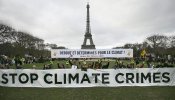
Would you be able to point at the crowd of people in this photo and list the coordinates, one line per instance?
(113, 63)
(84, 64)
(7, 62)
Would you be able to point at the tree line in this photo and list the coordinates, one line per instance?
(13, 42)
(159, 45)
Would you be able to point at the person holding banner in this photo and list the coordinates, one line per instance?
(66, 64)
(116, 65)
(84, 67)
(121, 65)
(97, 65)
(50, 65)
(106, 65)
(60, 67)
(91, 65)
(73, 65)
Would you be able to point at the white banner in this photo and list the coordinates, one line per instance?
(89, 78)
(91, 53)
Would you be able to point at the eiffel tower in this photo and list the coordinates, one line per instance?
(88, 35)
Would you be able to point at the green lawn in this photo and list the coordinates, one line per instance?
(94, 93)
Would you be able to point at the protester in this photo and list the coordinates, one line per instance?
(67, 65)
(63, 67)
(132, 63)
(73, 64)
(91, 65)
(106, 65)
(116, 64)
(149, 62)
(44, 66)
(137, 61)
(97, 65)
(58, 66)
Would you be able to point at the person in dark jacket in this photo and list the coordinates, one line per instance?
(91, 65)
(106, 66)
(97, 65)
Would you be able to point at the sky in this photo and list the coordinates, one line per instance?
(113, 22)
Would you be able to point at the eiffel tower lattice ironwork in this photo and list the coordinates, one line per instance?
(88, 33)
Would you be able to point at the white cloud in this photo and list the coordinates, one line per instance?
(113, 22)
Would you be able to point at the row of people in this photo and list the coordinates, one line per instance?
(77, 64)
(83, 65)
(118, 64)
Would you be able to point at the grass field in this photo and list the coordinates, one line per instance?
(95, 93)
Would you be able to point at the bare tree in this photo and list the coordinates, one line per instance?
(172, 41)
(156, 41)
(5, 33)
(10, 35)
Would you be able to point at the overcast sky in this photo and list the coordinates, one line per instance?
(113, 22)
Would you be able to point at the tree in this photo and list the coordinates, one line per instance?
(60, 47)
(156, 41)
(5, 33)
(14, 42)
(128, 45)
(172, 41)
(137, 47)
(160, 45)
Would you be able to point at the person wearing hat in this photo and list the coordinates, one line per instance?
(84, 67)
